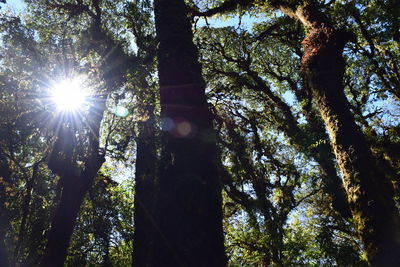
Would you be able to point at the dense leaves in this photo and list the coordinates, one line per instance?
(290, 187)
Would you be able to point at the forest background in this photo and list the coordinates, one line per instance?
(304, 100)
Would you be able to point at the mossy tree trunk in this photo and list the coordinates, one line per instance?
(370, 197)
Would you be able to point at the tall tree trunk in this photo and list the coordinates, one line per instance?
(115, 65)
(188, 213)
(74, 190)
(370, 197)
(145, 192)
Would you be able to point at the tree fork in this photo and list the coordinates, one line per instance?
(75, 184)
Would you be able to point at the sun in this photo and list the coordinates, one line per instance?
(68, 95)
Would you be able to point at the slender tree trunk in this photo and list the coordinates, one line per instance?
(370, 197)
(64, 221)
(188, 213)
(323, 154)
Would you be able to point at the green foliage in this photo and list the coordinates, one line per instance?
(104, 231)
(271, 140)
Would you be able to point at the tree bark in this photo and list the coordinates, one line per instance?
(370, 197)
(188, 212)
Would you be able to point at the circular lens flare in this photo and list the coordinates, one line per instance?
(68, 95)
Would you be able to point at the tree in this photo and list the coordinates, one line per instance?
(369, 194)
(188, 216)
(79, 143)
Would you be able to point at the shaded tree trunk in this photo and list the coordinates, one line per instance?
(145, 192)
(323, 154)
(63, 223)
(370, 197)
(25, 210)
(74, 190)
(5, 181)
(188, 212)
(75, 184)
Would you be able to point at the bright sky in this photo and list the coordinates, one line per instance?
(246, 22)
(14, 5)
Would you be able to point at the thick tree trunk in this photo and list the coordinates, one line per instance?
(188, 213)
(63, 223)
(370, 197)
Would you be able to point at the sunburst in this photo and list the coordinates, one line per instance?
(69, 95)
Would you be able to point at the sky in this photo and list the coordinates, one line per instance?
(246, 22)
(14, 5)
